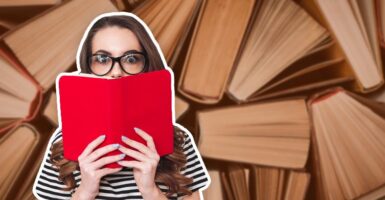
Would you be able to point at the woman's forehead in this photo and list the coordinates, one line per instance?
(115, 40)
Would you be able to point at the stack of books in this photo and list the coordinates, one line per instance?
(285, 98)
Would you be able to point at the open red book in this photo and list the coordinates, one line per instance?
(93, 106)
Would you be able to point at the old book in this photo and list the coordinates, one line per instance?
(378, 95)
(18, 148)
(213, 49)
(23, 187)
(284, 49)
(278, 183)
(228, 194)
(16, 12)
(20, 94)
(120, 4)
(236, 181)
(380, 19)
(297, 185)
(365, 13)
(352, 24)
(6, 25)
(130, 5)
(348, 145)
(64, 38)
(268, 182)
(272, 133)
(181, 106)
(170, 21)
(215, 190)
(5, 3)
(50, 110)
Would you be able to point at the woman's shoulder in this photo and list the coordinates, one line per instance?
(56, 136)
(187, 137)
(195, 167)
(47, 183)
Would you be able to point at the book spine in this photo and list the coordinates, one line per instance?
(115, 102)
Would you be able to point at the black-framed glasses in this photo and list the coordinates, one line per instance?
(133, 62)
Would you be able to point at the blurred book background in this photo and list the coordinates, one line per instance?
(285, 98)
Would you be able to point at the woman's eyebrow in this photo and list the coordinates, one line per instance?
(108, 53)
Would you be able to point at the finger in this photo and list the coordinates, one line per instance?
(147, 137)
(131, 163)
(101, 151)
(134, 154)
(91, 146)
(137, 145)
(104, 171)
(106, 160)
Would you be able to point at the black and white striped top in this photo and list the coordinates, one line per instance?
(120, 185)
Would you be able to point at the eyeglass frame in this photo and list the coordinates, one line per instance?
(117, 59)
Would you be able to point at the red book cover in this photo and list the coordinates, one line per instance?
(93, 106)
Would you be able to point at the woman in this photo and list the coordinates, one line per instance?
(116, 45)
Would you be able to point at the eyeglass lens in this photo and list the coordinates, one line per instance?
(132, 63)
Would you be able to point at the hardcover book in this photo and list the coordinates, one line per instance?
(93, 106)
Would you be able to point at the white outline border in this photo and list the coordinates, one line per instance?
(83, 74)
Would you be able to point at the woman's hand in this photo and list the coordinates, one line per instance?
(145, 164)
(91, 170)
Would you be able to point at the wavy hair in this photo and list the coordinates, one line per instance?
(169, 166)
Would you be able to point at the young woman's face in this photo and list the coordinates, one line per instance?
(115, 41)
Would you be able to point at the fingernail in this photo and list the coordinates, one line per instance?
(116, 146)
(122, 155)
(102, 137)
(124, 138)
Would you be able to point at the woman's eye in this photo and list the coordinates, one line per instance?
(130, 59)
(102, 59)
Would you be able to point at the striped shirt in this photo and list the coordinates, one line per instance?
(120, 185)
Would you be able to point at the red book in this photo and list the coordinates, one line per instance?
(93, 106)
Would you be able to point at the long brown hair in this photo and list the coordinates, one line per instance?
(169, 166)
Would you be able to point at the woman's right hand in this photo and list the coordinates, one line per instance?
(91, 170)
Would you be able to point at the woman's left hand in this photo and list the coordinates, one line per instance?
(144, 167)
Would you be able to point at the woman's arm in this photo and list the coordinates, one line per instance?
(154, 194)
(195, 168)
(91, 168)
(81, 195)
(144, 167)
(47, 184)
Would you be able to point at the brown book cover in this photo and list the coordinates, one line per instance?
(35, 104)
(206, 67)
(64, 38)
(278, 183)
(19, 147)
(170, 22)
